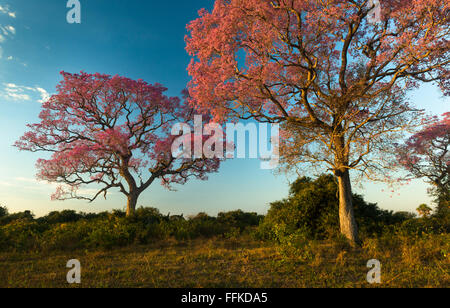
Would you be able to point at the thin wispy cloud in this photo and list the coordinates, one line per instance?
(45, 96)
(42, 186)
(8, 30)
(31, 184)
(4, 9)
(17, 93)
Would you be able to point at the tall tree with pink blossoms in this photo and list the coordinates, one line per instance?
(427, 155)
(111, 133)
(331, 74)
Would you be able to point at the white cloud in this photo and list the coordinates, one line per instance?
(32, 184)
(7, 30)
(13, 92)
(27, 180)
(44, 186)
(4, 33)
(17, 96)
(44, 95)
(6, 10)
(6, 184)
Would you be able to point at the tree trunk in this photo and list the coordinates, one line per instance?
(132, 202)
(346, 212)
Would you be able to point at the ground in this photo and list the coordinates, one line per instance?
(221, 263)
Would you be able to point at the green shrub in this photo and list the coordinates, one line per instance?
(3, 211)
(111, 232)
(423, 226)
(312, 209)
(69, 230)
(7, 219)
(61, 217)
(21, 234)
(67, 236)
(239, 219)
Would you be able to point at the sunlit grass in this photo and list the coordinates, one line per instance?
(238, 263)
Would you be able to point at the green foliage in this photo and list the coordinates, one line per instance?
(310, 213)
(312, 209)
(62, 217)
(27, 215)
(21, 234)
(239, 219)
(69, 230)
(423, 226)
(424, 210)
(67, 236)
(3, 211)
(111, 232)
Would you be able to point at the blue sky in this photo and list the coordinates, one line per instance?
(137, 39)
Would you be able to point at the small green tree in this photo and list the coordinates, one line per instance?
(3, 211)
(424, 211)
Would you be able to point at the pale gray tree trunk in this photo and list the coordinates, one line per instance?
(134, 191)
(348, 224)
(131, 203)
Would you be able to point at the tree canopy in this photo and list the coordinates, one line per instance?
(114, 133)
(427, 155)
(336, 79)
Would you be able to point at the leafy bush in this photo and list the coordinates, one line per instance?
(21, 234)
(27, 215)
(3, 211)
(111, 232)
(67, 236)
(312, 209)
(61, 217)
(239, 219)
(423, 226)
(70, 230)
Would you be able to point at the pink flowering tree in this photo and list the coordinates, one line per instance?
(333, 75)
(111, 133)
(427, 155)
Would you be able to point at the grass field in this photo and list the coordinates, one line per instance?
(242, 263)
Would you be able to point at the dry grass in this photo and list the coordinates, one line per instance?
(237, 263)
